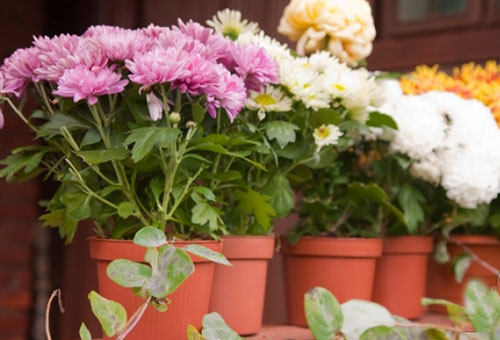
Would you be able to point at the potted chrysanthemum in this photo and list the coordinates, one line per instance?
(125, 120)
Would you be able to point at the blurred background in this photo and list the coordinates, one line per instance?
(34, 261)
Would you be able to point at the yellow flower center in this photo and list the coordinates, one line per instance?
(322, 132)
(339, 87)
(265, 99)
(231, 32)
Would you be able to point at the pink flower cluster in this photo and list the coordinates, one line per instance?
(188, 57)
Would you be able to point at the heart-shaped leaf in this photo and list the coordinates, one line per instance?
(111, 315)
(323, 313)
(128, 273)
(360, 315)
(150, 237)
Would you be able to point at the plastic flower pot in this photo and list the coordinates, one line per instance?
(344, 266)
(441, 282)
(189, 303)
(401, 273)
(238, 292)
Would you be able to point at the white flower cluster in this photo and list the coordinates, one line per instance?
(452, 141)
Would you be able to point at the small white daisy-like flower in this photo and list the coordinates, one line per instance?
(271, 100)
(326, 135)
(228, 22)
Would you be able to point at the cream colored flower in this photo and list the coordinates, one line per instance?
(228, 22)
(271, 100)
(343, 27)
(326, 135)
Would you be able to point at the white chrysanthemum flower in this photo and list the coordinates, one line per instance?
(271, 100)
(452, 142)
(278, 51)
(326, 135)
(228, 22)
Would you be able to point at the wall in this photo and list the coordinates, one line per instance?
(19, 20)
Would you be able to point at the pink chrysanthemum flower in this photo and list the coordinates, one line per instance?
(232, 94)
(2, 119)
(119, 43)
(81, 83)
(65, 52)
(254, 65)
(153, 31)
(19, 69)
(158, 66)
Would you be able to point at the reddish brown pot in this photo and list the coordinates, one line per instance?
(401, 274)
(238, 292)
(190, 301)
(440, 280)
(344, 266)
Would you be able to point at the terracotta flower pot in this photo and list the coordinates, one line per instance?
(238, 292)
(344, 266)
(441, 282)
(400, 276)
(190, 301)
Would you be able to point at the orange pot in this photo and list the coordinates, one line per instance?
(401, 273)
(441, 282)
(238, 292)
(344, 266)
(190, 301)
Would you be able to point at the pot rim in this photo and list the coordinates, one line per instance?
(248, 247)
(408, 244)
(476, 239)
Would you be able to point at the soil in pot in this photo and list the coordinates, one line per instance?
(400, 277)
(441, 282)
(238, 292)
(344, 266)
(189, 303)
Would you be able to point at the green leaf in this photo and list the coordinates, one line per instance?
(220, 149)
(91, 137)
(215, 328)
(282, 131)
(150, 237)
(281, 194)
(325, 116)
(125, 209)
(460, 264)
(101, 156)
(84, 332)
(17, 161)
(377, 333)
(203, 213)
(441, 254)
(361, 315)
(482, 306)
(378, 119)
(436, 334)
(410, 199)
(253, 203)
(206, 192)
(173, 267)
(193, 334)
(160, 305)
(111, 315)
(128, 273)
(323, 313)
(198, 112)
(59, 120)
(207, 253)
(456, 313)
(146, 138)
(77, 205)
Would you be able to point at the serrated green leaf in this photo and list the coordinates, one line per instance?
(77, 205)
(84, 332)
(410, 200)
(206, 192)
(128, 273)
(173, 267)
(125, 209)
(146, 138)
(460, 264)
(203, 213)
(150, 237)
(207, 253)
(59, 120)
(323, 313)
(482, 306)
(283, 132)
(95, 157)
(111, 315)
(282, 197)
(215, 328)
(91, 137)
(253, 203)
(378, 119)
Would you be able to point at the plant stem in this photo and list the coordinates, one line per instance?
(132, 322)
(20, 114)
(55, 293)
(476, 258)
(43, 94)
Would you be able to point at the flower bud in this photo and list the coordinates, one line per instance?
(190, 124)
(174, 117)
